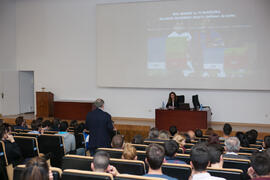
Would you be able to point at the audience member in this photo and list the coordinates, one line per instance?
(227, 129)
(181, 140)
(101, 163)
(69, 139)
(37, 169)
(40, 119)
(209, 131)
(20, 123)
(191, 135)
(154, 159)
(216, 155)
(46, 125)
(137, 139)
(73, 124)
(118, 141)
(242, 138)
(213, 139)
(198, 133)
(153, 134)
(187, 138)
(163, 135)
(199, 160)
(260, 166)
(171, 148)
(81, 129)
(55, 124)
(129, 152)
(173, 130)
(232, 147)
(252, 136)
(36, 127)
(13, 152)
(266, 142)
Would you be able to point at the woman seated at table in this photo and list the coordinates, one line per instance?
(172, 101)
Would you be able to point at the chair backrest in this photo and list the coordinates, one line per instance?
(72, 174)
(77, 162)
(242, 164)
(232, 174)
(80, 140)
(188, 145)
(134, 177)
(18, 170)
(53, 145)
(28, 135)
(28, 146)
(3, 161)
(114, 153)
(124, 166)
(181, 99)
(179, 171)
(183, 157)
(248, 150)
(147, 142)
(140, 147)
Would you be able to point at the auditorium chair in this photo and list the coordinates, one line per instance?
(248, 150)
(147, 142)
(134, 177)
(73, 174)
(242, 164)
(18, 170)
(231, 174)
(180, 150)
(4, 170)
(189, 145)
(28, 135)
(140, 147)
(117, 153)
(135, 167)
(255, 146)
(50, 132)
(54, 146)
(183, 157)
(179, 171)
(80, 140)
(28, 146)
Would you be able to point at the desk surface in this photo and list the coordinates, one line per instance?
(184, 120)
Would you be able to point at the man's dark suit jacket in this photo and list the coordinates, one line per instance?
(100, 128)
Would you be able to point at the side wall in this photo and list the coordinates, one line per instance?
(57, 40)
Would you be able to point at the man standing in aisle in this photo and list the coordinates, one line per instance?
(100, 127)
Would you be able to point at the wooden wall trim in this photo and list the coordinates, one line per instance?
(133, 119)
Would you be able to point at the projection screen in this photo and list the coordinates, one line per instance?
(187, 44)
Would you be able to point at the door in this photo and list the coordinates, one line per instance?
(26, 81)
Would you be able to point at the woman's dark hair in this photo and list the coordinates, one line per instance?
(242, 138)
(198, 133)
(137, 139)
(36, 169)
(170, 99)
(19, 120)
(73, 123)
(79, 128)
(55, 124)
(213, 139)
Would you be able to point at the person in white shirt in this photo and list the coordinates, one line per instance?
(199, 160)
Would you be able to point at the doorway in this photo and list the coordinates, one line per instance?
(26, 92)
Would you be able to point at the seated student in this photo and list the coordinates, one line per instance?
(129, 152)
(36, 127)
(80, 128)
(154, 159)
(173, 130)
(209, 131)
(117, 141)
(101, 163)
(73, 124)
(163, 135)
(216, 155)
(171, 148)
(242, 138)
(199, 160)
(55, 125)
(153, 135)
(260, 166)
(37, 168)
(266, 142)
(232, 147)
(137, 139)
(252, 136)
(181, 140)
(20, 123)
(213, 139)
(191, 135)
(227, 129)
(13, 152)
(46, 125)
(198, 133)
(69, 139)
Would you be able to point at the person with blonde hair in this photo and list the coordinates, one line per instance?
(129, 152)
(181, 140)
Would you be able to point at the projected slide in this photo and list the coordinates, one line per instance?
(210, 44)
